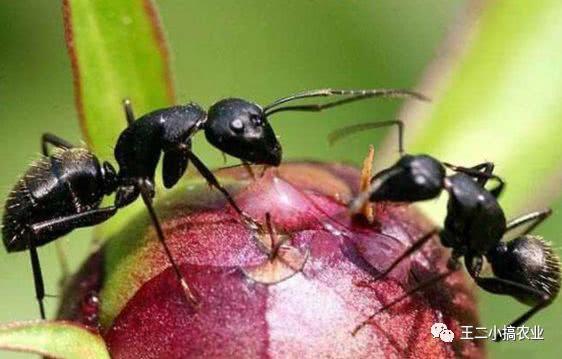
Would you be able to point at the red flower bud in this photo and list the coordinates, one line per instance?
(296, 290)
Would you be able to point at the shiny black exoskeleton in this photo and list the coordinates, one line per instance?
(475, 226)
(63, 191)
(234, 126)
(58, 193)
(170, 130)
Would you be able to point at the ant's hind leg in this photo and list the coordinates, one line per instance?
(67, 223)
(37, 276)
(535, 218)
(54, 140)
(514, 289)
(502, 286)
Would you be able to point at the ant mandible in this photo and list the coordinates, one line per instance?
(525, 268)
(63, 191)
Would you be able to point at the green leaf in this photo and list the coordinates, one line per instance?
(499, 101)
(53, 339)
(117, 50)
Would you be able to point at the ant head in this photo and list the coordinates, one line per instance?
(412, 178)
(530, 261)
(240, 129)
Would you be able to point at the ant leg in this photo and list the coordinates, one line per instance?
(129, 114)
(535, 218)
(213, 182)
(452, 267)
(84, 219)
(348, 130)
(358, 202)
(506, 287)
(37, 276)
(514, 289)
(414, 247)
(486, 168)
(249, 170)
(528, 314)
(354, 95)
(481, 176)
(54, 140)
(50, 139)
(42, 229)
(147, 194)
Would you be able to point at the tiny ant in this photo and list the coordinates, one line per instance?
(525, 268)
(63, 191)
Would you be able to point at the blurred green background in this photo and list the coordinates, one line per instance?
(251, 49)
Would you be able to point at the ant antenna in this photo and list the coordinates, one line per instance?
(355, 95)
(346, 131)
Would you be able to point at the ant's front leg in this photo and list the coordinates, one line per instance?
(213, 182)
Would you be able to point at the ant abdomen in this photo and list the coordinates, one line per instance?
(43, 192)
(528, 260)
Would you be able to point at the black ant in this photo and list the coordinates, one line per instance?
(525, 268)
(64, 190)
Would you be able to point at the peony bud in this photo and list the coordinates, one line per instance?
(295, 288)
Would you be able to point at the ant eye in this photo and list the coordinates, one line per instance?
(237, 125)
